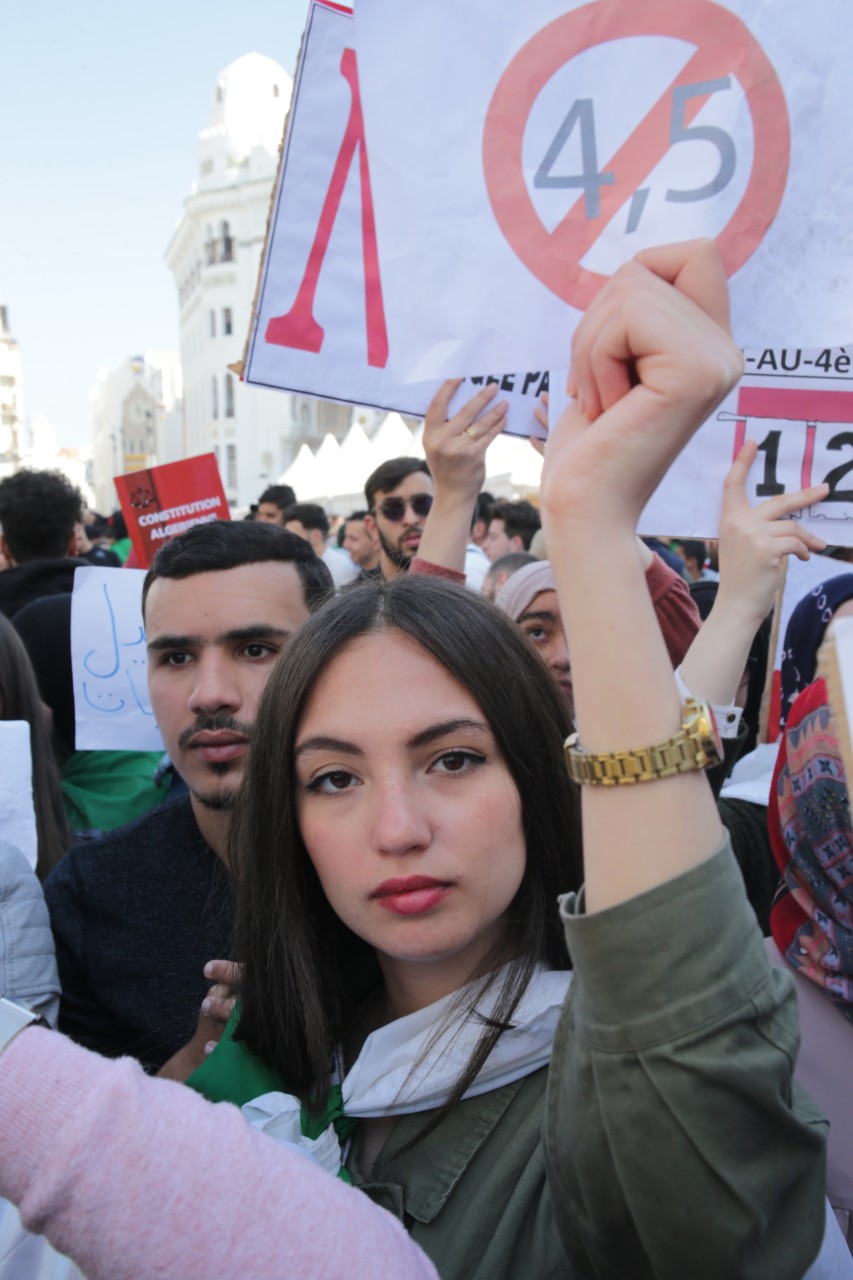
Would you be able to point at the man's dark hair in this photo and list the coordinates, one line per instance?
(356, 515)
(38, 512)
(309, 514)
(118, 527)
(510, 563)
(482, 508)
(389, 474)
(694, 549)
(281, 495)
(521, 520)
(226, 544)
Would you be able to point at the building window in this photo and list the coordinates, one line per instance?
(227, 244)
(214, 402)
(209, 246)
(213, 324)
(231, 466)
(229, 396)
(227, 324)
(275, 91)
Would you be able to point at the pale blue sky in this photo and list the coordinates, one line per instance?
(100, 107)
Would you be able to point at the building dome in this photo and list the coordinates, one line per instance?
(250, 102)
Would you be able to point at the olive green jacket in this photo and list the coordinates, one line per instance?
(674, 1142)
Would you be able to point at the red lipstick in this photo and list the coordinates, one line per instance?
(412, 895)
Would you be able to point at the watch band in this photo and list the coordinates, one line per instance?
(15, 1018)
(693, 747)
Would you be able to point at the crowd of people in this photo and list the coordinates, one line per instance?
(434, 945)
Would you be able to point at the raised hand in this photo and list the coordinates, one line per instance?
(651, 359)
(455, 449)
(755, 541)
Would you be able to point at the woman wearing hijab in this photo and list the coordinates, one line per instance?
(804, 636)
(811, 920)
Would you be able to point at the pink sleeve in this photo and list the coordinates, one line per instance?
(678, 617)
(436, 571)
(136, 1179)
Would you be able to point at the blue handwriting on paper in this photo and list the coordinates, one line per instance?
(113, 667)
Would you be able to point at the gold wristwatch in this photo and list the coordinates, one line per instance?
(696, 746)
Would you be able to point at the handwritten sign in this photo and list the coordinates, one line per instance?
(319, 327)
(520, 153)
(161, 502)
(108, 659)
(17, 814)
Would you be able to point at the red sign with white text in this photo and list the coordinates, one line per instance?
(162, 502)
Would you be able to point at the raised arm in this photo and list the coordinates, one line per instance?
(455, 449)
(651, 360)
(754, 543)
(677, 1143)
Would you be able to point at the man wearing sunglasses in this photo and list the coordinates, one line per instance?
(399, 496)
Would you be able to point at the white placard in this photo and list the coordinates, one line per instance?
(320, 328)
(798, 406)
(520, 152)
(17, 813)
(108, 658)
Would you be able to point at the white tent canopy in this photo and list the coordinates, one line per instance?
(335, 475)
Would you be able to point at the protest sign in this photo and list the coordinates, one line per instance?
(798, 406)
(108, 662)
(17, 814)
(319, 327)
(519, 153)
(160, 502)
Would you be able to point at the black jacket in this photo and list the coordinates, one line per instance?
(31, 581)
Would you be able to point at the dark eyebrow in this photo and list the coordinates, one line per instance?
(255, 631)
(541, 615)
(444, 729)
(173, 642)
(431, 734)
(322, 743)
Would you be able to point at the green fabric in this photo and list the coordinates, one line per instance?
(232, 1073)
(102, 790)
(122, 548)
(674, 1142)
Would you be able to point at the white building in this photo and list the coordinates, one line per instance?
(136, 420)
(215, 255)
(13, 441)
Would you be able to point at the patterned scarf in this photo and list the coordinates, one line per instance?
(812, 839)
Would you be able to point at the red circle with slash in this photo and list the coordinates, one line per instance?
(724, 45)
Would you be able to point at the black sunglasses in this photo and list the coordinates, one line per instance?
(394, 509)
